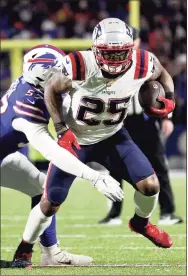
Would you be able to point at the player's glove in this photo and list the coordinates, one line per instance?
(66, 138)
(169, 105)
(109, 187)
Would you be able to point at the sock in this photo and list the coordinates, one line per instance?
(139, 222)
(24, 247)
(145, 205)
(49, 237)
(36, 224)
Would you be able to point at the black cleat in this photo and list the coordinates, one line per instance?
(15, 264)
(22, 259)
(113, 216)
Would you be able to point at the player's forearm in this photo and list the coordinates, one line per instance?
(161, 74)
(166, 80)
(54, 104)
(52, 95)
(39, 137)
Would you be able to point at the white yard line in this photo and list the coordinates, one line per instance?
(116, 265)
(104, 236)
(106, 248)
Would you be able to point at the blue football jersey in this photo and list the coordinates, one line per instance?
(21, 101)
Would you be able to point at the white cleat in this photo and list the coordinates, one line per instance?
(114, 221)
(54, 256)
(169, 219)
(111, 221)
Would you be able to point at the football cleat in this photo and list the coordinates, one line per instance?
(111, 221)
(15, 264)
(54, 256)
(154, 234)
(169, 219)
(22, 258)
(114, 213)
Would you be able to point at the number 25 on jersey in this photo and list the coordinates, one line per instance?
(97, 106)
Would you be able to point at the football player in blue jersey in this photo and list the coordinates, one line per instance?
(24, 119)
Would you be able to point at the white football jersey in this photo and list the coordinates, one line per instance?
(99, 105)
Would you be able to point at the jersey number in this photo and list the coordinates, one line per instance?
(97, 106)
(3, 104)
(4, 99)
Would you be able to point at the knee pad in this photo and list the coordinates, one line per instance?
(57, 195)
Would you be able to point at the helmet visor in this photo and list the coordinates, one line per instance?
(115, 56)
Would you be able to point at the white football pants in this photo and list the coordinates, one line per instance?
(18, 173)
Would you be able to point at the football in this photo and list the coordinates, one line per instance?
(148, 94)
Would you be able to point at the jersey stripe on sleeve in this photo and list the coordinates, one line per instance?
(29, 112)
(29, 107)
(82, 65)
(74, 74)
(137, 71)
(146, 56)
(21, 112)
(141, 64)
(78, 66)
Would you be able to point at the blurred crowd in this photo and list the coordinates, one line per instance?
(162, 29)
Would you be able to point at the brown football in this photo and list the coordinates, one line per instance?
(148, 94)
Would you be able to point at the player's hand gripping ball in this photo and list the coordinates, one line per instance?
(154, 101)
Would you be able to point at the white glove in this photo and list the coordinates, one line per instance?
(109, 187)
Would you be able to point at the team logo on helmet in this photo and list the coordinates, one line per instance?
(47, 60)
(98, 31)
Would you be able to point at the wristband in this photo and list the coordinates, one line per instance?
(170, 96)
(60, 127)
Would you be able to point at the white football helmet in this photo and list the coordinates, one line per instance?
(112, 45)
(41, 62)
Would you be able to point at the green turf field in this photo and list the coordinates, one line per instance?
(108, 245)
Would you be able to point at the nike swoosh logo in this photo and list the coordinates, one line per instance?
(32, 102)
(67, 263)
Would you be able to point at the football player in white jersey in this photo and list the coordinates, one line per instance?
(101, 83)
(24, 119)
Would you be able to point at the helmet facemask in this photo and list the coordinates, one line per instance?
(113, 60)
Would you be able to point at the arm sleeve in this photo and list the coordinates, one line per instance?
(40, 138)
